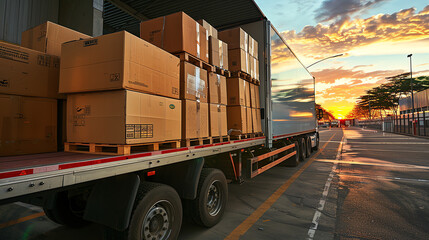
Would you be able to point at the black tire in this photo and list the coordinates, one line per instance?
(294, 160)
(317, 143)
(301, 148)
(308, 147)
(212, 188)
(61, 211)
(157, 212)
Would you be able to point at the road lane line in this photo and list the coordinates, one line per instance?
(382, 150)
(318, 213)
(20, 220)
(388, 165)
(259, 212)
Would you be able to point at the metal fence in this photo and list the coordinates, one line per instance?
(401, 124)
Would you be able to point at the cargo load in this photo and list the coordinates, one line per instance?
(237, 120)
(193, 82)
(209, 28)
(28, 125)
(218, 120)
(217, 89)
(28, 72)
(195, 115)
(236, 38)
(118, 61)
(177, 33)
(48, 38)
(122, 117)
(238, 92)
(218, 53)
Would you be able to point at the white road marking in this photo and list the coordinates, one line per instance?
(386, 178)
(389, 165)
(382, 150)
(318, 213)
(28, 206)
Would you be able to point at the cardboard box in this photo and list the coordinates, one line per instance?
(176, 33)
(236, 91)
(118, 61)
(217, 89)
(48, 38)
(254, 67)
(122, 117)
(252, 95)
(210, 29)
(193, 82)
(235, 38)
(218, 120)
(27, 72)
(237, 119)
(247, 94)
(195, 119)
(218, 53)
(238, 60)
(28, 125)
(256, 120)
(249, 120)
(253, 47)
(257, 99)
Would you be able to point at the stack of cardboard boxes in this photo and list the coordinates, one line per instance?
(31, 107)
(243, 96)
(121, 90)
(178, 33)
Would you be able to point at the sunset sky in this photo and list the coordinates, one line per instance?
(375, 37)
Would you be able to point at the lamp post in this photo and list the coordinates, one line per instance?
(334, 56)
(411, 83)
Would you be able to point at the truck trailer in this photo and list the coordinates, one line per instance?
(140, 196)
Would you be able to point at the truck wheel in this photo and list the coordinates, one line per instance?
(308, 147)
(157, 215)
(302, 149)
(209, 206)
(317, 143)
(61, 211)
(294, 160)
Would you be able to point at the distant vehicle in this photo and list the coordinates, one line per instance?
(335, 123)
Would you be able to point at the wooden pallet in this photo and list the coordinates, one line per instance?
(219, 139)
(222, 72)
(184, 56)
(119, 149)
(196, 141)
(245, 76)
(246, 136)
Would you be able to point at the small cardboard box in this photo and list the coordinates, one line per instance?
(27, 72)
(236, 91)
(256, 120)
(195, 119)
(48, 38)
(210, 29)
(28, 125)
(249, 120)
(217, 89)
(239, 60)
(176, 33)
(237, 119)
(193, 82)
(253, 47)
(218, 53)
(218, 120)
(118, 61)
(235, 38)
(122, 117)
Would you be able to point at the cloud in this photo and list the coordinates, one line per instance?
(346, 34)
(334, 9)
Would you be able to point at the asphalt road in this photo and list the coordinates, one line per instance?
(377, 188)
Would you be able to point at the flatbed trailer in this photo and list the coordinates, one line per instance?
(140, 196)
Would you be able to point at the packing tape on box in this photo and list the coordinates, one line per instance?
(207, 44)
(195, 85)
(254, 68)
(247, 62)
(219, 120)
(246, 40)
(220, 53)
(244, 97)
(218, 88)
(198, 116)
(162, 32)
(198, 39)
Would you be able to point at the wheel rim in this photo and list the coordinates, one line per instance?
(158, 221)
(214, 198)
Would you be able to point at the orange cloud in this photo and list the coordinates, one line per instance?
(347, 34)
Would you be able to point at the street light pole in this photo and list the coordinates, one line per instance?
(334, 56)
(411, 83)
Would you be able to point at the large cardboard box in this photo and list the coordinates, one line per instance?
(252, 95)
(239, 60)
(218, 120)
(176, 33)
(195, 119)
(247, 94)
(254, 67)
(236, 91)
(210, 29)
(193, 82)
(257, 99)
(118, 61)
(28, 125)
(256, 120)
(235, 38)
(253, 47)
(27, 72)
(217, 89)
(122, 117)
(218, 53)
(48, 38)
(237, 119)
(249, 120)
